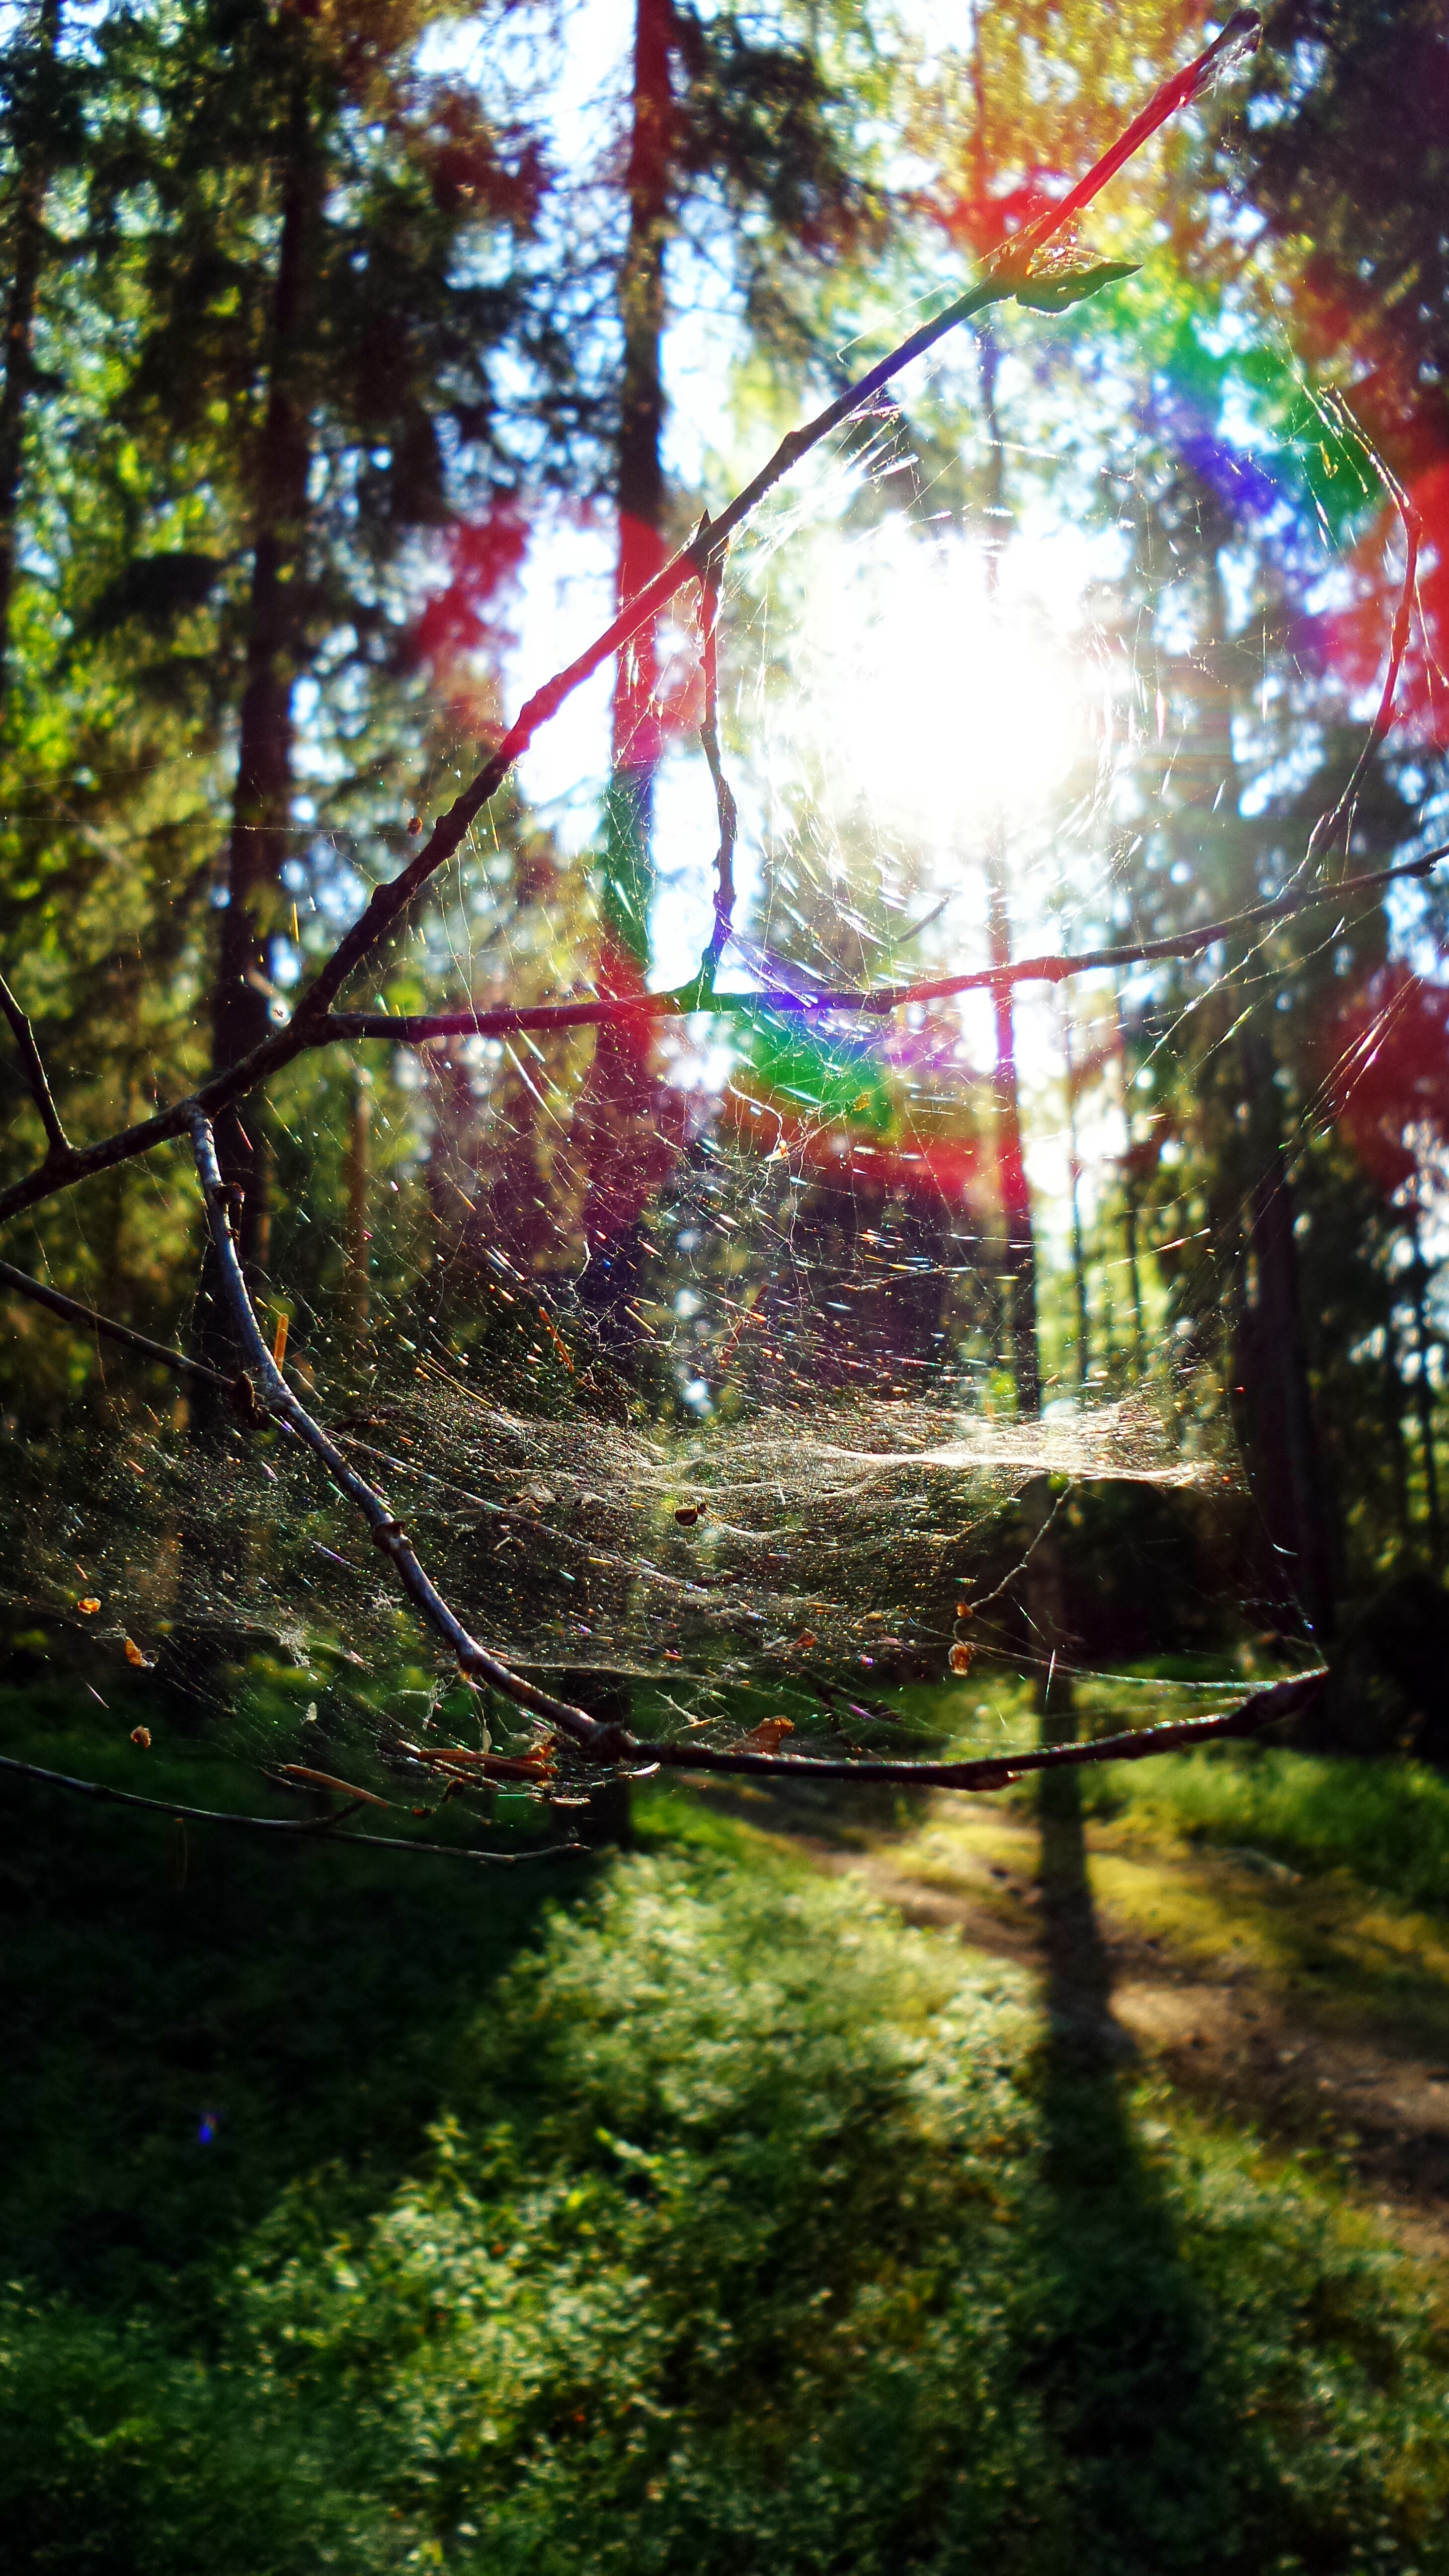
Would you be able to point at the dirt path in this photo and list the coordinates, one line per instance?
(1308, 2008)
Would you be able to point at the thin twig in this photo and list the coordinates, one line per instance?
(388, 1534)
(416, 1029)
(73, 1312)
(725, 808)
(1280, 1699)
(1007, 278)
(312, 1829)
(33, 1068)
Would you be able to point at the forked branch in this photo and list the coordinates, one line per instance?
(316, 1023)
(1008, 277)
(417, 1028)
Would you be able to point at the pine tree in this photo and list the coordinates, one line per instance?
(319, 329)
(38, 114)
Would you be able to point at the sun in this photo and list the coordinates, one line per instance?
(945, 701)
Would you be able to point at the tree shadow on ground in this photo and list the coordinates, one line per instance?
(1150, 2462)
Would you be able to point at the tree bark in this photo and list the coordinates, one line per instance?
(1019, 1248)
(1283, 1447)
(616, 1111)
(1019, 1253)
(262, 802)
(33, 187)
(1424, 1394)
(356, 1232)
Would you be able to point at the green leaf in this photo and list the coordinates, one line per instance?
(1057, 294)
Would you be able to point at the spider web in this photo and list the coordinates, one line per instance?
(696, 1385)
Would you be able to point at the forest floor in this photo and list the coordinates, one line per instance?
(1301, 2006)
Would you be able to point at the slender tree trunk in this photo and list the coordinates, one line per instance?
(355, 1183)
(1074, 1174)
(33, 187)
(1424, 1398)
(1255, 1210)
(1020, 1244)
(616, 1110)
(1130, 1216)
(1283, 1437)
(262, 803)
(1043, 1586)
(1394, 1436)
(1019, 1247)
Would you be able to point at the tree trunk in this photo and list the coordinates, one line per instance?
(262, 802)
(1074, 1176)
(261, 811)
(1019, 1249)
(356, 1231)
(616, 1110)
(1020, 1244)
(1282, 1437)
(36, 169)
(1253, 1216)
(1424, 1394)
(1019, 1257)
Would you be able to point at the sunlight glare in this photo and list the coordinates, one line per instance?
(939, 702)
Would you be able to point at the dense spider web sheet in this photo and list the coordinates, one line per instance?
(778, 1469)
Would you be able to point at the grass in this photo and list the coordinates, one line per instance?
(686, 2215)
(302, 2005)
(1387, 1822)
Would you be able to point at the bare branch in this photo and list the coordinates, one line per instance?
(724, 892)
(34, 1071)
(417, 1029)
(602, 1744)
(72, 1311)
(388, 1535)
(614, 1744)
(1279, 1699)
(1007, 278)
(313, 1829)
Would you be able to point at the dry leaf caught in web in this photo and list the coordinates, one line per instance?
(462, 1758)
(766, 1737)
(328, 1780)
(141, 1735)
(134, 1654)
(88, 1604)
(960, 1659)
